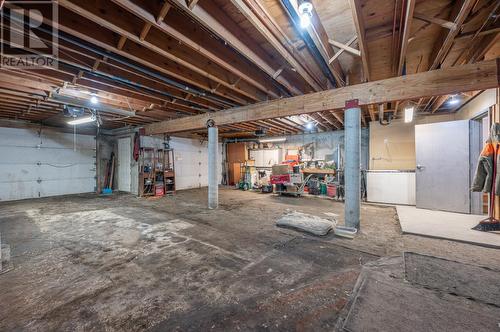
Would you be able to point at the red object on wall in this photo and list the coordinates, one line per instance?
(280, 179)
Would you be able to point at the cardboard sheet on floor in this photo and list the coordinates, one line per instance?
(306, 223)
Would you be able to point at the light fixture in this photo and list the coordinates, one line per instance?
(453, 100)
(94, 100)
(272, 140)
(310, 126)
(86, 119)
(409, 113)
(305, 13)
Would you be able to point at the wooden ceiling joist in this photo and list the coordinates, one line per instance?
(224, 28)
(470, 77)
(443, 45)
(207, 47)
(361, 37)
(210, 73)
(435, 20)
(257, 22)
(409, 14)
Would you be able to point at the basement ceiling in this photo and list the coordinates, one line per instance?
(149, 61)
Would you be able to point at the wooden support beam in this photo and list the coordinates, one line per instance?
(144, 31)
(435, 20)
(229, 32)
(163, 12)
(438, 102)
(275, 42)
(410, 6)
(479, 76)
(191, 66)
(205, 49)
(319, 37)
(121, 42)
(360, 30)
(339, 52)
(338, 117)
(478, 34)
(372, 111)
(192, 3)
(443, 45)
(345, 47)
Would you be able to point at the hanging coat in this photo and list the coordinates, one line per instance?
(487, 173)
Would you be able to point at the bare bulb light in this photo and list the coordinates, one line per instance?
(310, 126)
(453, 100)
(305, 13)
(305, 21)
(94, 100)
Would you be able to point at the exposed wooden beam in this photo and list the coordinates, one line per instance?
(372, 111)
(338, 117)
(345, 47)
(438, 102)
(360, 30)
(339, 52)
(163, 12)
(443, 45)
(478, 34)
(319, 37)
(262, 28)
(230, 32)
(162, 51)
(410, 6)
(435, 20)
(478, 76)
(206, 51)
(144, 31)
(192, 3)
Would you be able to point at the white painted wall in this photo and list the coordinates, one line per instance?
(391, 187)
(191, 161)
(45, 163)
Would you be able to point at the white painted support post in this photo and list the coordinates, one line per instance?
(352, 145)
(213, 170)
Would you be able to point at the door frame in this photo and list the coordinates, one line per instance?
(127, 166)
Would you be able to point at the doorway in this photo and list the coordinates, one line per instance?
(443, 167)
(124, 169)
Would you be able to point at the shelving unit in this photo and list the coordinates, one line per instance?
(169, 171)
(146, 172)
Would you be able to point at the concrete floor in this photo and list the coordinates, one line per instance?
(122, 263)
(445, 225)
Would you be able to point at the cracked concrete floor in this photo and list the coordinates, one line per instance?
(122, 263)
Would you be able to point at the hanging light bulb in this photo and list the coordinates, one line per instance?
(94, 100)
(305, 13)
(454, 100)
